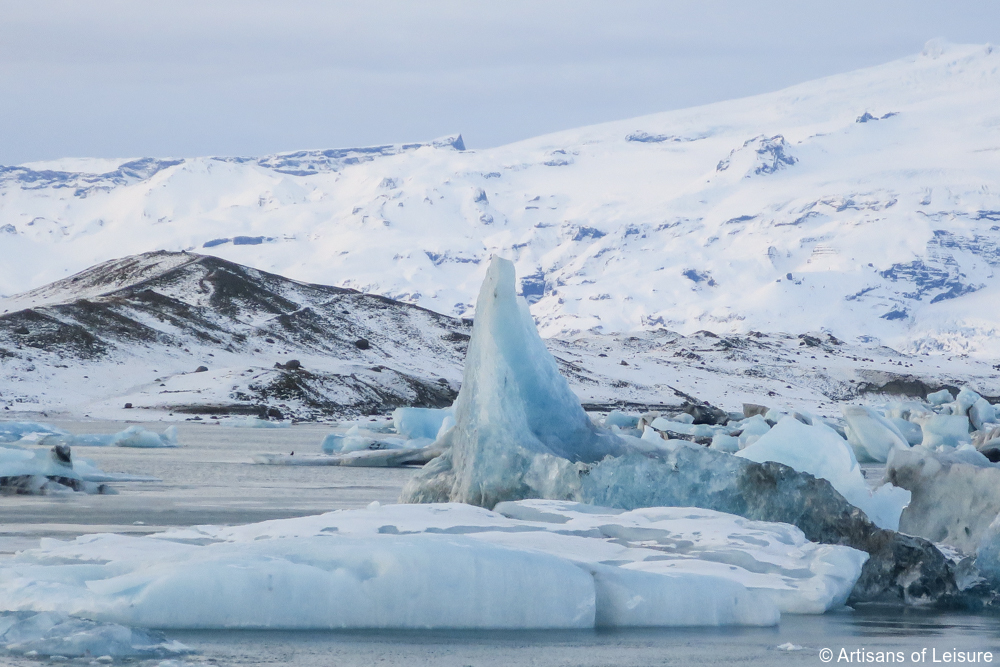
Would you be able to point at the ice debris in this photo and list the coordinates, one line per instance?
(529, 564)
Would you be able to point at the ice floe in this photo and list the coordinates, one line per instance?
(529, 564)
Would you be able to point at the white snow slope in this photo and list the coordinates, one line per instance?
(864, 204)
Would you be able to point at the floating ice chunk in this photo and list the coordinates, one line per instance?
(54, 634)
(982, 412)
(821, 452)
(15, 431)
(940, 397)
(966, 399)
(40, 471)
(137, 436)
(948, 430)
(254, 422)
(332, 443)
(414, 423)
(133, 436)
(725, 443)
(621, 420)
(683, 418)
(955, 495)
(871, 435)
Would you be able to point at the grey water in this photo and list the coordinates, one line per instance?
(211, 479)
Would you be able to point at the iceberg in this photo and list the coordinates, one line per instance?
(947, 430)
(521, 433)
(515, 416)
(528, 565)
(940, 397)
(821, 452)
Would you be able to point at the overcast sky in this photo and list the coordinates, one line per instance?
(135, 78)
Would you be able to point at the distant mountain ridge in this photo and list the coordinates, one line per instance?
(864, 205)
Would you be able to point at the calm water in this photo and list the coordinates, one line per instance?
(210, 479)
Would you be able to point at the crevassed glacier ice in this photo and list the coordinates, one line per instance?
(821, 452)
(532, 564)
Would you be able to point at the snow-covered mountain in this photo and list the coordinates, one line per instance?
(180, 334)
(866, 205)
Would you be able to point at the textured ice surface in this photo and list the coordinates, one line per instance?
(531, 564)
(821, 452)
(955, 494)
(56, 634)
(871, 435)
